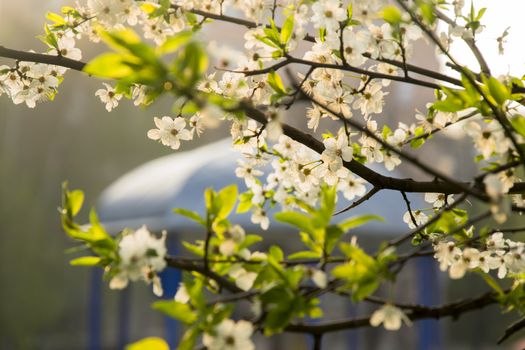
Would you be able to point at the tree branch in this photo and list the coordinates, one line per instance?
(376, 179)
(41, 58)
(453, 310)
(191, 267)
(361, 200)
(513, 328)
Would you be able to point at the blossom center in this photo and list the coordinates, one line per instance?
(230, 340)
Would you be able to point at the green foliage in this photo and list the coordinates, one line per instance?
(86, 261)
(94, 236)
(151, 343)
(316, 231)
(287, 30)
(135, 62)
(518, 123)
(392, 14)
(176, 310)
(362, 274)
(276, 83)
(190, 215)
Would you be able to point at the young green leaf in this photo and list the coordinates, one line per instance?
(176, 310)
(287, 30)
(518, 123)
(190, 215)
(151, 343)
(86, 261)
(357, 221)
(228, 198)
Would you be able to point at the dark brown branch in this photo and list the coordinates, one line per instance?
(453, 310)
(375, 75)
(434, 131)
(376, 179)
(233, 297)
(361, 200)
(41, 58)
(411, 68)
(318, 340)
(315, 65)
(407, 202)
(430, 222)
(409, 158)
(191, 267)
(513, 328)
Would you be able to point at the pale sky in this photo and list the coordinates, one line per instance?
(500, 14)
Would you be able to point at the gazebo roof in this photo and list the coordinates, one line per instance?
(147, 194)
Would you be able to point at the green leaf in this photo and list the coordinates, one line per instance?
(357, 221)
(392, 14)
(86, 261)
(245, 202)
(350, 11)
(193, 248)
(518, 123)
(299, 220)
(498, 90)
(151, 343)
(305, 254)
(189, 339)
(328, 198)
(174, 43)
(250, 240)
(176, 310)
(190, 215)
(276, 253)
(75, 201)
(110, 65)
(287, 30)
(227, 197)
(492, 283)
(209, 200)
(56, 18)
(333, 235)
(427, 10)
(276, 83)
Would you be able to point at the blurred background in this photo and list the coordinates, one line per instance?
(45, 303)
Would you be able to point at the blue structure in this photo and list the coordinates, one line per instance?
(148, 194)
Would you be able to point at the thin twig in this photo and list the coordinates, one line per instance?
(361, 200)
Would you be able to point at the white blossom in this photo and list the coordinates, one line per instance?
(109, 97)
(170, 131)
(390, 316)
(142, 256)
(230, 335)
(327, 14)
(243, 279)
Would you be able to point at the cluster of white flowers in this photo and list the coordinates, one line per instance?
(489, 139)
(504, 255)
(30, 83)
(297, 172)
(142, 257)
(294, 174)
(362, 43)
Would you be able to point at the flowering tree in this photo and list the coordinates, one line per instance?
(354, 49)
